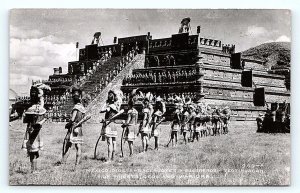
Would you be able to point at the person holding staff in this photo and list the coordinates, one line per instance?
(75, 134)
(184, 122)
(191, 121)
(130, 126)
(177, 118)
(111, 109)
(34, 117)
(159, 111)
(144, 129)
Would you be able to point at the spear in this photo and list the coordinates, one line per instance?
(162, 119)
(70, 131)
(105, 124)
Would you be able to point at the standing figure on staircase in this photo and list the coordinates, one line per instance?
(96, 38)
(185, 25)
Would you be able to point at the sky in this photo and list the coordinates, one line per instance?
(41, 39)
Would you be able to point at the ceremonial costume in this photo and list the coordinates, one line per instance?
(191, 121)
(111, 130)
(75, 136)
(110, 109)
(35, 117)
(33, 141)
(177, 118)
(176, 121)
(157, 116)
(145, 124)
(225, 118)
(198, 124)
(184, 124)
(131, 125)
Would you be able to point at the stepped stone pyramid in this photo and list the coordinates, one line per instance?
(184, 65)
(206, 70)
(98, 69)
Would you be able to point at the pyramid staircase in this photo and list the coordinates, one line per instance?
(96, 104)
(106, 67)
(89, 85)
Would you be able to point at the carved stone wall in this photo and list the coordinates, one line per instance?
(254, 66)
(269, 82)
(216, 60)
(271, 98)
(234, 78)
(170, 59)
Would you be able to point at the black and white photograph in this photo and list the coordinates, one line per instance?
(150, 97)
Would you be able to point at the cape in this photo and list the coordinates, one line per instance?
(79, 107)
(35, 110)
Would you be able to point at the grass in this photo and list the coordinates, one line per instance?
(243, 157)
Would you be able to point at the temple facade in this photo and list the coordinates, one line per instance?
(207, 70)
(181, 65)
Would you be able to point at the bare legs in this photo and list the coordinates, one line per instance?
(144, 142)
(191, 133)
(196, 135)
(78, 153)
(111, 145)
(174, 138)
(67, 153)
(184, 137)
(130, 145)
(33, 161)
(156, 142)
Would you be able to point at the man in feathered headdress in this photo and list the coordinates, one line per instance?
(186, 116)
(177, 119)
(75, 135)
(35, 117)
(157, 117)
(191, 121)
(147, 116)
(225, 117)
(130, 126)
(111, 108)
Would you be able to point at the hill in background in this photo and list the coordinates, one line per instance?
(275, 53)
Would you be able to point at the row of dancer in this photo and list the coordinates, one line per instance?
(153, 115)
(197, 119)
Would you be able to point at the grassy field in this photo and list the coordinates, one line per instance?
(242, 157)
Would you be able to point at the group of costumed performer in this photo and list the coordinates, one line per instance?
(194, 117)
(152, 118)
(188, 117)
